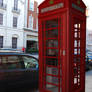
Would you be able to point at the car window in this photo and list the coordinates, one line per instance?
(9, 62)
(13, 59)
(30, 62)
(0, 62)
(3, 61)
(13, 62)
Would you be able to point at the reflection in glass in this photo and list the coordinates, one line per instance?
(52, 23)
(75, 43)
(76, 59)
(52, 52)
(13, 59)
(75, 51)
(75, 35)
(52, 79)
(52, 61)
(30, 62)
(52, 43)
(76, 25)
(52, 33)
(4, 59)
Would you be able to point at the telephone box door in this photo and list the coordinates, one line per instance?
(52, 59)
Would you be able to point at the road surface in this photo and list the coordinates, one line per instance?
(89, 81)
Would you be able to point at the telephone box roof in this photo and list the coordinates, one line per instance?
(61, 4)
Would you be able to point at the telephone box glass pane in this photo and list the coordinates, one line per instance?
(51, 33)
(52, 23)
(52, 28)
(77, 53)
(52, 61)
(52, 43)
(52, 52)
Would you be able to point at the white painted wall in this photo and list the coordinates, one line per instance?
(89, 40)
(7, 29)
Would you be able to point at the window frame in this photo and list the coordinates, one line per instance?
(14, 44)
(31, 21)
(1, 18)
(1, 41)
(31, 5)
(15, 4)
(1, 2)
(15, 22)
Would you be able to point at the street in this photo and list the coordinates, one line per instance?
(89, 81)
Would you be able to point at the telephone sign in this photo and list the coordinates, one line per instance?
(60, 5)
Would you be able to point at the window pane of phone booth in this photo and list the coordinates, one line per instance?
(52, 52)
(52, 61)
(53, 80)
(52, 43)
(51, 33)
(53, 89)
(51, 23)
(77, 53)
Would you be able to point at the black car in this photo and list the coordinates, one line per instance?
(17, 69)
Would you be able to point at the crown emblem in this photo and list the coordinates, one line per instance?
(78, 1)
(51, 2)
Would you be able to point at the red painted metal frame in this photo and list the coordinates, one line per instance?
(55, 17)
(67, 18)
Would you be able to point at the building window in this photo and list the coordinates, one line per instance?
(14, 42)
(15, 4)
(31, 22)
(1, 2)
(14, 21)
(1, 19)
(31, 5)
(1, 41)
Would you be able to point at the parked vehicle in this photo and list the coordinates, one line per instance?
(17, 69)
(87, 64)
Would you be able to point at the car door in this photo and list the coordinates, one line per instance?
(31, 70)
(10, 73)
(13, 73)
(2, 72)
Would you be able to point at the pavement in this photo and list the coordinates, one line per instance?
(89, 81)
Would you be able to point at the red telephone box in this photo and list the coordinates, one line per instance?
(62, 41)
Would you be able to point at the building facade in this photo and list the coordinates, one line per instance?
(31, 26)
(11, 23)
(18, 24)
(89, 40)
